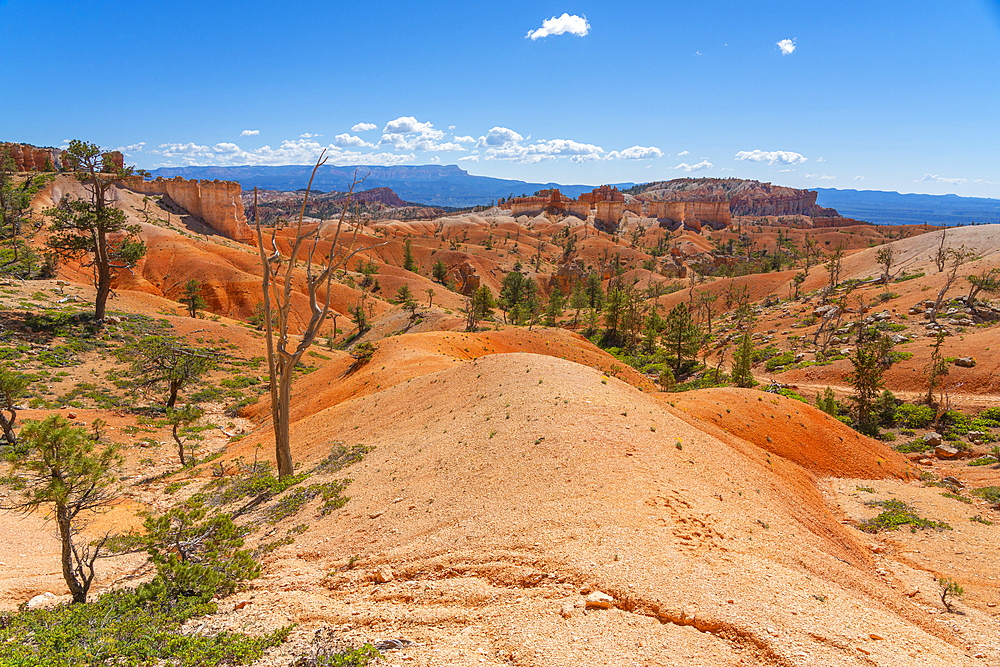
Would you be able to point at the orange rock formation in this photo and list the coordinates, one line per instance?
(218, 203)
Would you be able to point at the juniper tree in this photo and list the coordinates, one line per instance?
(15, 200)
(95, 231)
(191, 298)
(162, 361)
(57, 464)
(742, 362)
(681, 335)
(408, 263)
(868, 361)
(12, 388)
(479, 306)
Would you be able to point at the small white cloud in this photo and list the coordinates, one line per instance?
(822, 177)
(410, 125)
(469, 158)
(567, 23)
(451, 127)
(464, 140)
(363, 127)
(249, 133)
(131, 148)
(787, 46)
(771, 157)
(683, 153)
(782, 171)
(697, 53)
(309, 135)
(859, 178)
(942, 179)
(636, 153)
(701, 166)
(821, 159)
(349, 141)
(500, 136)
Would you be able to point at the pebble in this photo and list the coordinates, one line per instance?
(384, 575)
(599, 600)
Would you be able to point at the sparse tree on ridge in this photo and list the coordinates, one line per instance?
(163, 361)
(681, 336)
(58, 465)
(278, 279)
(191, 298)
(95, 229)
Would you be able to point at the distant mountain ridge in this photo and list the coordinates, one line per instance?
(433, 185)
(893, 208)
(450, 185)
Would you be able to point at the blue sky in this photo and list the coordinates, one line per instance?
(855, 94)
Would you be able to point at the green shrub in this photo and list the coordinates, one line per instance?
(896, 513)
(914, 416)
(124, 628)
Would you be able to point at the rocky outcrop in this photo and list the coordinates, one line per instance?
(548, 201)
(609, 214)
(465, 278)
(692, 214)
(32, 158)
(603, 193)
(745, 198)
(217, 203)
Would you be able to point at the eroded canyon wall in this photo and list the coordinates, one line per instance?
(217, 203)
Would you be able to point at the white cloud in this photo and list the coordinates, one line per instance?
(469, 158)
(636, 153)
(701, 166)
(821, 159)
(295, 151)
(502, 143)
(131, 148)
(859, 178)
(249, 133)
(942, 179)
(408, 134)
(787, 46)
(410, 125)
(465, 140)
(771, 157)
(500, 136)
(347, 140)
(822, 177)
(683, 153)
(308, 135)
(782, 171)
(573, 24)
(363, 127)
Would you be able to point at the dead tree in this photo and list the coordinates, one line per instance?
(277, 279)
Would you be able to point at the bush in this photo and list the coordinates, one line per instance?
(914, 416)
(123, 628)
(896, 513)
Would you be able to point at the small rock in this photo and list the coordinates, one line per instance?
(931, 439)
(599, 600)
(946, 452)
(72, 415)
(965, 362)
(566, 610)
(876, 637)
(384, 575)
(376, 515)
(953, 480)
(240, 605)
(43, 601)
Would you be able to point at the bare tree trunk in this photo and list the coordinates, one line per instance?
(280, 360)
(78, 591)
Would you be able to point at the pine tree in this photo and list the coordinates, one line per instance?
(743, 361)
(408, 263)
(192, 297)
(681, 335)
